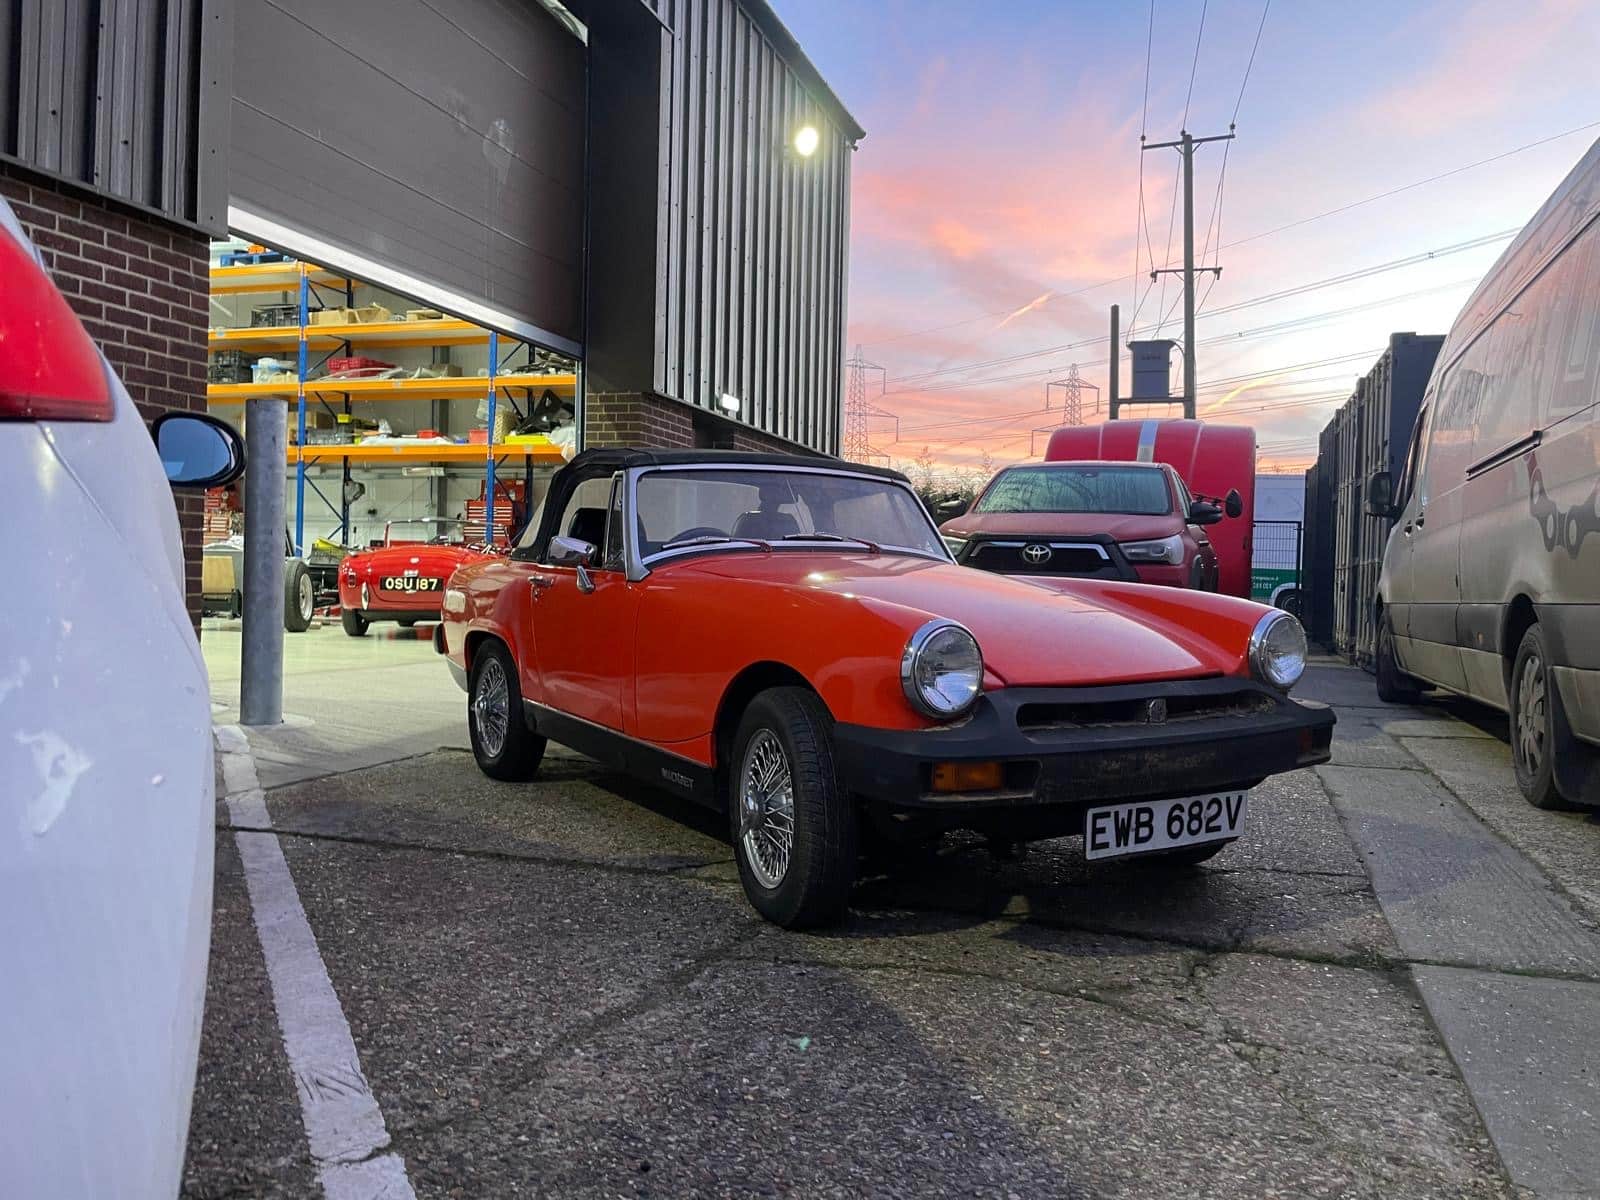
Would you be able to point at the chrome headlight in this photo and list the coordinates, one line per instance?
(1162, 550)
(1278, 650)
(942, 670)
(954, 544)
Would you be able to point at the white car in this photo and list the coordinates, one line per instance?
(106, 795)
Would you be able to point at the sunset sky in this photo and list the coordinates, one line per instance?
(996, 191)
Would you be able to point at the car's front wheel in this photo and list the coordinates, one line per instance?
(355, 624)
(502, 743)
(794, 831)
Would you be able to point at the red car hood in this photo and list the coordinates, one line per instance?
(1123, 527)
(1062, 634)
(440, 561)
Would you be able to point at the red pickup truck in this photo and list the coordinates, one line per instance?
(1090, 520)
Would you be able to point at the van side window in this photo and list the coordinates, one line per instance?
(1574, 333)
(1408, 472)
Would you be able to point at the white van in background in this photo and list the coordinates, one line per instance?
(1491, 577)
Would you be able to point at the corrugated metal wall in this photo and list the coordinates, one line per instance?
(754, 244)
(121, 96)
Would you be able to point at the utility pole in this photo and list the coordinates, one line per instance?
(1116, 359)
(1185, 146)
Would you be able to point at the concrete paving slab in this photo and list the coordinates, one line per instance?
(1527, 1050)
(1452, 891)
(1363, 740)
(1566, 845)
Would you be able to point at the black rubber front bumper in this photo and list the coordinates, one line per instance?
(1063, 750)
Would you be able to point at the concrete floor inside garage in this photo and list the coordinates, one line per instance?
(558, 988)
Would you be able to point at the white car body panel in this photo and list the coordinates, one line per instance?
(106, 815)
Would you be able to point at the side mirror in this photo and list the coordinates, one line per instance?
(1203, 512)
(198, 450)
(1233, 503)
(570, 552)
(949, 510)
(1380, 495)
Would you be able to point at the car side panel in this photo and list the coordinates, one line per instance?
(108, 826)
(495, 598)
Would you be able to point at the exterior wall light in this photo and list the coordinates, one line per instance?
(729, 402)
(806, 139)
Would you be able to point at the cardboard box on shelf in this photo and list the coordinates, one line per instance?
(366, 314)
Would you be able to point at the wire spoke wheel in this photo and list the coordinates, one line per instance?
(1530, 713)
(766, 808)
(491, 707)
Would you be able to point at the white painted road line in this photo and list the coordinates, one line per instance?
(343, 1124)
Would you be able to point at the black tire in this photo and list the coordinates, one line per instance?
(407, 622)
(355, 624)
(1394, 685)
(814, 886)
(513, 754)
(299, 596)
(1533, 743)
(236, 603)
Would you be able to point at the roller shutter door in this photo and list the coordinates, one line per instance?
(440, 140)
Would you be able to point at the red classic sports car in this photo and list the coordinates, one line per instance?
(402, 579)
(788, 639)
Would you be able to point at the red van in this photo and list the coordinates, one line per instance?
(1213, 460)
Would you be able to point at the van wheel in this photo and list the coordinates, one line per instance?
(1533, 722)
(795, 833)
(1394, 685)
(502, 743)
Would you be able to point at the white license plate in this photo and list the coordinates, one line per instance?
(1146, 825)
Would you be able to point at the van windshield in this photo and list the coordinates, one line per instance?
(1138, 491)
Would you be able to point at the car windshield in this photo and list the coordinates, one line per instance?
(445, 530)
(1140, 491)
(695, 507)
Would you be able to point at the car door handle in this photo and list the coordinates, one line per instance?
(540, 582)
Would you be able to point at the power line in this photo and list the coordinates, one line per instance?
(1195, 65)
(1215, 385)
(1332, 212)
(1253, 48)
(1301, 289)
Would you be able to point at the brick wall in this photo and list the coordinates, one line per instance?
(141, 288)
(653, 422)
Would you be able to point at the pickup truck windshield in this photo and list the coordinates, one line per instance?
(1140, 491)
(752, 508)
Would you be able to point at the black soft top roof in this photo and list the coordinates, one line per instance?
(623, 459)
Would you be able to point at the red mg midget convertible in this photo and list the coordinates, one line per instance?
(789, 640)
(402, 579)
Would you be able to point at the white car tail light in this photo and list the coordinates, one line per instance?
(49, 367)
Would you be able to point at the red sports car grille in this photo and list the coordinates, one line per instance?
(1042, 718)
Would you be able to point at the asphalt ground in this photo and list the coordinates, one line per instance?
(558, 989)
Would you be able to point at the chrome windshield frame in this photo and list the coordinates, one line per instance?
(639, 567)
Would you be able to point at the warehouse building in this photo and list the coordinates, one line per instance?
(631, 214)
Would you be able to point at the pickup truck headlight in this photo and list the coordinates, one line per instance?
(1162, 550)
(1278, 650)
(954, 544)
(942, 670)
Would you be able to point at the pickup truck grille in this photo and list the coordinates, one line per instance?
(1016, 557)
(1050, 717)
